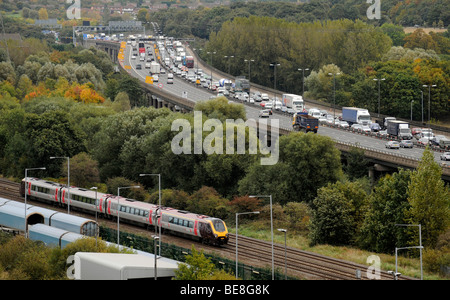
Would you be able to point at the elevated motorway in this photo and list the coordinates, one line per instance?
(182, 95)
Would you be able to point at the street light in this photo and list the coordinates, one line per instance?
(229, 64)
(237, 214)
(303, 79)
(68, 179)
(118, 208)
(159, 190)
(334, 92)
(211, 62)
(25, 190)
(379, 93)
(249, 61)
(275, 74)
(155, 238)
(96, 209)
(429, 86)
(271, 227)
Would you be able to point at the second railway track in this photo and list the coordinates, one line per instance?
(301, 264)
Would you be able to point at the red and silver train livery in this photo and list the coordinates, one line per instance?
(199, 227)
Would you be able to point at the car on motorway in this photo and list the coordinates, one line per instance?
(406, 144)
(445, 156)
(264, 97)
(366, 129)
(417, 132)
(343, 124)
(423, 141)
(356, 127)
(155, 78)
(264, 113)
(169, 80)
(393, 145)
(375, 127)
(382, 133)
(268, 105)
(138, 67)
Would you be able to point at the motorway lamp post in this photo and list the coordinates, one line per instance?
(249, 61)
(68, 179)
(25, 190)
(379, 92)
(334, 93)
(238, 214)
(275, 75)
(303, 80)
(412, 101)
(213, 52)
(229, 63)
(118, 208)
(271, 226)
(429, 86)
(422, 105)
(285, 252)
(159, 204)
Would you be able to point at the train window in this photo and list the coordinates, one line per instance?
(191, 224)
(171, 220)
(218, 225)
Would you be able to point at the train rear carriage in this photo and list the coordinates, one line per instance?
(41, 189)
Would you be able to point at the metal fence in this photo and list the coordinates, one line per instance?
(142, 243)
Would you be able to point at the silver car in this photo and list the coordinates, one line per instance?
(393, 145)
(445, 156)
(406, 144)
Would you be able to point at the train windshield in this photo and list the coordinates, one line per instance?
(218, 225)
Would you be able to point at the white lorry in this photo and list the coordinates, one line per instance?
(293, 101)
(155, 68)
(354, 115)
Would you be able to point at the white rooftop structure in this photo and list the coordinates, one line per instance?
(119, 266)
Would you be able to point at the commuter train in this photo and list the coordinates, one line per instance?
(202, 228)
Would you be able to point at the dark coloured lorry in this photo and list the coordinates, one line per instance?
(302, 121)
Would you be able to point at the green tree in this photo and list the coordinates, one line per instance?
(306, 163)
(387, 206)
(198, 267)
(429, 198)
(337, 213)
(83, 170)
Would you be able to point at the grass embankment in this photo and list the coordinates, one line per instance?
(407, 266)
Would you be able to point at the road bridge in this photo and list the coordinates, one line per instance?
(182, 96)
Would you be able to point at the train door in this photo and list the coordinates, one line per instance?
(206, 232)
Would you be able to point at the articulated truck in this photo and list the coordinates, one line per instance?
(293, 101)
(354, 115)
(399, 129)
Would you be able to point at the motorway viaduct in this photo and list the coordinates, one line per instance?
(158, 98)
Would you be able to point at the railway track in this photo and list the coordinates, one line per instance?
(301, 264)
